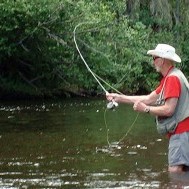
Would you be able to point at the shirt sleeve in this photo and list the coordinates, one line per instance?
(172, 87)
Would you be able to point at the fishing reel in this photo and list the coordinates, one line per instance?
(112, 104)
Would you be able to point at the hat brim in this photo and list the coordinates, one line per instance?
(174, 58)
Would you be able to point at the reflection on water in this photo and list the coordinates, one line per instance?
(64, 144)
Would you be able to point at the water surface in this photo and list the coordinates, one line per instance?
(66, 144)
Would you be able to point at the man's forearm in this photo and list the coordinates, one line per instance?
(130, 99)
(146, 99)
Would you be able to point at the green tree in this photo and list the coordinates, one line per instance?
(38, 56)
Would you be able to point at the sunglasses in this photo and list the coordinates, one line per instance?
(155, 57)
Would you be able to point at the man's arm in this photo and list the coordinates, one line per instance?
(146, 99)
(165, 110)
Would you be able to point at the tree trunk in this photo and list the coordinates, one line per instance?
(133, 9)
(161, 10)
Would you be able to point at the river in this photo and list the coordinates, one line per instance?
(77, 143)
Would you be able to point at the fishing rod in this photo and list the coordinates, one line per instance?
(88, 68)
(111, 104)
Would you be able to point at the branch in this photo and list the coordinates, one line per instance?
(55, 37)
(27, 81)
(97, 51)
(25, 64)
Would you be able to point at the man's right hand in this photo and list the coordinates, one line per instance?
(111, 96)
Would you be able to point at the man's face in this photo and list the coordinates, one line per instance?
(158, 62)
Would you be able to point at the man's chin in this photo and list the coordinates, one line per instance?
(157, 70)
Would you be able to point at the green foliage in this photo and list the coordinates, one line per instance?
(113, 47)
(26, 47)
(38, 55)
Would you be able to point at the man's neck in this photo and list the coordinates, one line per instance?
(166, 70)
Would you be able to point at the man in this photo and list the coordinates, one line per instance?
(169, 103)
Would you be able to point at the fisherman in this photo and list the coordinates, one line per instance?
(169, 103)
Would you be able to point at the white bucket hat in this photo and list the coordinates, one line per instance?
(165, 51)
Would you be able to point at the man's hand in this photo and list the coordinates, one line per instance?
(111, 96)
(140, 106)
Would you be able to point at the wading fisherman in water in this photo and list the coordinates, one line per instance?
(169, 102)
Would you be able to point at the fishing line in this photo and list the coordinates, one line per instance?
(124, 136)
(110, 105)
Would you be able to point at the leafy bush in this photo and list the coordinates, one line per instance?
(26, 49)
(38, 55)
